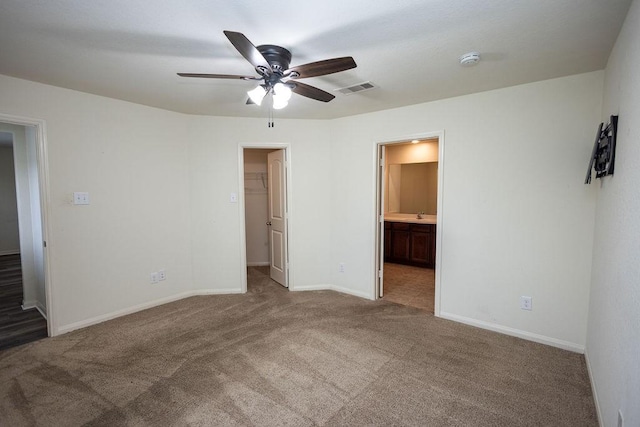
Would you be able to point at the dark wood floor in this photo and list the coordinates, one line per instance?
(17, 326)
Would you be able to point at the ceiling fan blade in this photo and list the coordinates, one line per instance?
(248, 50)
(218, 76)
(322, 68)
(311, 92)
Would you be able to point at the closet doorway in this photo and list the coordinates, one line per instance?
(265, 207)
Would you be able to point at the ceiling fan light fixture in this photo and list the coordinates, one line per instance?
(257, 94)
(279, 103)
(282, 91)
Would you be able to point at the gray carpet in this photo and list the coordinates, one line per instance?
(273, 357)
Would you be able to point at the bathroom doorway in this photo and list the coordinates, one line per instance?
(408, 241)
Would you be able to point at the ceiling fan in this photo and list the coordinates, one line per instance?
(271, 62)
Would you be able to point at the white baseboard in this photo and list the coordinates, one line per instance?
(332, 288)
(565, 345)
(594, 391)
(144, 306)
(28, 305)
(227, 291)
(360, 294)
(311, 288)
(258, 264)
(10, 252)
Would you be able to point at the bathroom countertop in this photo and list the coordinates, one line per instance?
(410, 218)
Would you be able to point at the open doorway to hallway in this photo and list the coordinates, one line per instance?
(23, 302)
(408, 200)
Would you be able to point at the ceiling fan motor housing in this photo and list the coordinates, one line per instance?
(277, 56)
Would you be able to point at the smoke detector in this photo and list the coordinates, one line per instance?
(469, 59)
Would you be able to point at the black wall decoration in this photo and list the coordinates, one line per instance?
(603, 156)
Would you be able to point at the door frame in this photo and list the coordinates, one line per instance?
(42, 160)
(241, 207)
(379, 206)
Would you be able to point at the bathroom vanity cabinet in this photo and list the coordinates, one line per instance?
(410, 243)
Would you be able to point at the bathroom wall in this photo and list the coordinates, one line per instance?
(419, 189)
(411, 189)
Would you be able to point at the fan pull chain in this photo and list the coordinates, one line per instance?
(270, 122)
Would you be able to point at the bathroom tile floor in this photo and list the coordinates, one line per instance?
(408, 285)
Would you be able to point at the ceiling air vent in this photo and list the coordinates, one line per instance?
(356, 88)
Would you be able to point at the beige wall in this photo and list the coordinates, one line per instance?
(613, 340)
(160, 185)
(515, 219)
(134, 162)
(216, 239)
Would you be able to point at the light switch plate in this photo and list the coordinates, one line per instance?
(80, 198)
(233, 198)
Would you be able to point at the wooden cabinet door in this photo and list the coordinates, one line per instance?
(400, 240)
(387, 240)
(413, 244)
(431, 244)
(419, 247)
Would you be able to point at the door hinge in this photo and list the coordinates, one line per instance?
(381, 219)
(380, 274)
(380, 162)
(44, 243)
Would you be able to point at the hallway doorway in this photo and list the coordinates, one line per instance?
(23, 293)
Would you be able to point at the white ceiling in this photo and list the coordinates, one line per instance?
(132, 49)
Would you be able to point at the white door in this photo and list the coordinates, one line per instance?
(278, 216)
(380, 215)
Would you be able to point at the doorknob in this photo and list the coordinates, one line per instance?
(269, 223)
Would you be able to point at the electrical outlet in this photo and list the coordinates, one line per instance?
(620, 419)
(80, 198)
(341, 267)
(162, 275)
(526, 303)
(154, 277)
